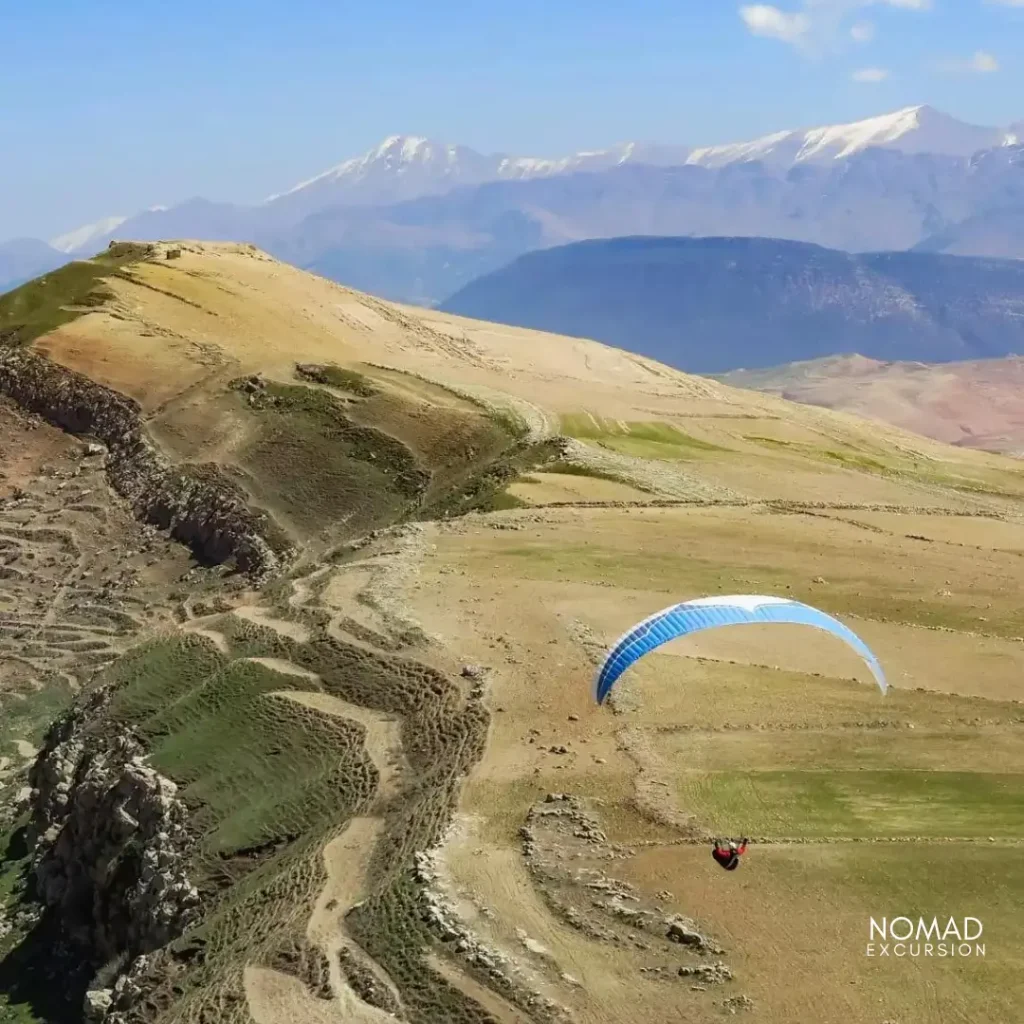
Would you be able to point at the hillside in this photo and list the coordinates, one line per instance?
(300, 600)
(976, 404)
(717, 304)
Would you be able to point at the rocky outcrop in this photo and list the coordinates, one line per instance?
(500, 970)
(197, 504)
(109, 841)
(563, 843)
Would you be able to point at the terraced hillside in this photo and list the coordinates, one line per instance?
(344, 765)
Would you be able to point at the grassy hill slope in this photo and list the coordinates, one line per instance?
(322, 795)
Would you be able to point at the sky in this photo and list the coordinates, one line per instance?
(108, 107)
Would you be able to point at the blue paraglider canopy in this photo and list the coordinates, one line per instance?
(712, 612)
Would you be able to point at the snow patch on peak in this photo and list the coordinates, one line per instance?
(779, 145)
(916, 129)
(72, 240)
(405, 147)
(404, 166)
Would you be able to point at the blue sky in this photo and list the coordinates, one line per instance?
(109, 107)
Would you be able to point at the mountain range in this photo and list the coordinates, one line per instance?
(415, 220)
(709, 305)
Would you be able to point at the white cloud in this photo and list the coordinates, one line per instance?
(870, 75)
(765, 20)
(979, 63)
(983, 62)
(817, 24)
(1006, 3)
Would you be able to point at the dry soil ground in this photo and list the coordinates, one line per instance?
(774, 732)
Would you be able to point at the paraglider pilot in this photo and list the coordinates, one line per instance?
(728, 855)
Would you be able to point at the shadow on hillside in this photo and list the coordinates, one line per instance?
(39, 973)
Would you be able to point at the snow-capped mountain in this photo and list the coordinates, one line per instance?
(407, 166)
(401, 167)
(81, 237)
(414, 218)
(911, 131)
(410, 166)
(520, 168)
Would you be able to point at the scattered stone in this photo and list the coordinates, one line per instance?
(712, 974)
(739, 1004)
(685, 933)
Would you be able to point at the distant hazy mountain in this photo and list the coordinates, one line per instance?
(22, 259)
(976, 404)
(991, 233)
(715, 304)
(414, 219)
(874, 200)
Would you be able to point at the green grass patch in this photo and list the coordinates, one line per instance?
(486, 489)
(338, 377)
(847, 804)
(323, 464)
(645, 440)
(257, 769)
(254, 768)
(563, 468)
(268, 782)
(57, 298)
(27, 712)
(996, 483)
(309, 462)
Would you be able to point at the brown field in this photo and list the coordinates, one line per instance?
(785, 706)
(975, 403)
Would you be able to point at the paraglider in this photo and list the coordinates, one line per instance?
(727, 855)
(712, 612)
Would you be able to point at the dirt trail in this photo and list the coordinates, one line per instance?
(276, 998)
(346, 860)
(302, 588)
(218, 639)
(288, 668)
(261, 617)
(502, 1011)
(383, 736)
